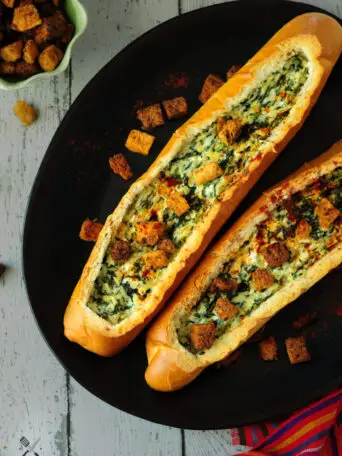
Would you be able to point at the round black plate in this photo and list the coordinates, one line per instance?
(75, 182)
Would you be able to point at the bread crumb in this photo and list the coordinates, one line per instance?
(25, 112)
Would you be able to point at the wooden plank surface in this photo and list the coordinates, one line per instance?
(38, 399)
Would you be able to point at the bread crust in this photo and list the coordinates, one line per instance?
(320, 38)
(171, 366)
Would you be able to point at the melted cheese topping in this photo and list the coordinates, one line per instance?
(280, 227)
(119, 289)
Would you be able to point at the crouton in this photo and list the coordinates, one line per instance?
(50, 58)
(12, 52)
(297, 350)
(268, 349)
(8, 3)
(210, 86)
(139, 142)
(262, 279)
(232, 70)
(120, 251)
(90, 230)
(210, 171)
(155, 260)
(25, 69)
(149, 232)
(167, 246)
(303, 230)
(226, 284)
(326, 213)
(276, 254)
(68, 34)
(228, 131)
(25, 17)
(7, 68)
(202, 335)
(177, 203)
(25, 112)
(175, 108)
(120, 166)
(31, 51)
(151, 116)
(225, 309)
(54, 26)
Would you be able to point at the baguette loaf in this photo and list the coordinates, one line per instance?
(173, 363)
(196, 182)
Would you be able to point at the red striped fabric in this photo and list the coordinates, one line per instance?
(316, 431)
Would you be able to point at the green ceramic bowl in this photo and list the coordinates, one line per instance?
(78, 16)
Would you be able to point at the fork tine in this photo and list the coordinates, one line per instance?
(24, 442)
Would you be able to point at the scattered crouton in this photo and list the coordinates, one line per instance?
(90, 230)
(228, 130)
(30, 52)
(225, 309)
(303, 229)
(167, 246)
(210, 171)
(175, 108)
(226, 284)
(139, 142)
(120, 166)
(276, 254)
(155, 259)
(177, 203)
(120, 251)
(202, 335)
(326, 213)
(7, 68)
(25, 112)
(297, 350)
(12, 52)
(232, 70)
(268, 349)
(8, 3)
(25, 18)
(262, 279)
(54, 26)
(25, 69)
(151, 116)
(50, 58)
(149, 232)
(210, 86)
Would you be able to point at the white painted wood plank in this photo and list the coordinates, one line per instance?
(97, 428)
(32, 383)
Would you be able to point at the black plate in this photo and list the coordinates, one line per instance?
(75, 182)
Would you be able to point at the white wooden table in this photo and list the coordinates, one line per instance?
(38, 399)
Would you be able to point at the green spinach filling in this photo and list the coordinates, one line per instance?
(280, 227)
(121, 287)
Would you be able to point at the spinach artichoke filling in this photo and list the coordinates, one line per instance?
(163, 216)
(297, 233)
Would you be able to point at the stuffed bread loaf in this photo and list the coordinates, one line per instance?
(170, 214)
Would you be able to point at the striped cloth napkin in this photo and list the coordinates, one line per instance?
(315, 431)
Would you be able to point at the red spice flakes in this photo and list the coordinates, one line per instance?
(171, 181)
(304, 320)
(176, 80)
(138, 105)
(338, 310)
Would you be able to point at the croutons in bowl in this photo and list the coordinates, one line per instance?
(36, 39)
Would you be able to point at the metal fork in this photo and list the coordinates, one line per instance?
(24, 442)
